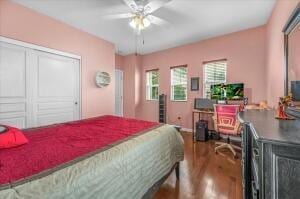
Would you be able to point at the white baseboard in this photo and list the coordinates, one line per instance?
(184, 129)
(187, 130)
(234, 138)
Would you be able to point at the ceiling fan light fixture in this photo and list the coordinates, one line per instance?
(146, 22)
(139, 22)
(132, 24)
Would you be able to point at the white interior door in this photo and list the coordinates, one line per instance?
(14, 94)
(119, 93)
(56, 88)
(37, 88)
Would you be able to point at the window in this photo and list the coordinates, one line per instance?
(214, 73)
(179, 84)
(152, 84)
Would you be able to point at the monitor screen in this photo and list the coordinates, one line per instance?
(295, 89)
(227, 92)
(217, 91)
(235, 91)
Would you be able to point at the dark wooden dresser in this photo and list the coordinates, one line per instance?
(270, 156)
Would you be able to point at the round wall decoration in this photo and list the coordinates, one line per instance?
(102, 79)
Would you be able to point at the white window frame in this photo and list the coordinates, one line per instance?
(205, 82)
(172, 90)
(150, 86)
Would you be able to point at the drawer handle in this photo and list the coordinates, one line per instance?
(256, 152)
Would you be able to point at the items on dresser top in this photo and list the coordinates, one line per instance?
(284, 102)
(262, 105)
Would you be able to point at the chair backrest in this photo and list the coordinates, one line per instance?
(226, 118)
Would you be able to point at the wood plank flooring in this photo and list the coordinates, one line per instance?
(204, 174)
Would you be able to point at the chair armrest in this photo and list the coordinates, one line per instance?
(237, 127)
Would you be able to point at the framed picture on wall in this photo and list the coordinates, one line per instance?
(194, 83)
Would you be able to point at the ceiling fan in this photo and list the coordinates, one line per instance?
(141, 14)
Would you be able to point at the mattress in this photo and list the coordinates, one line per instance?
(126, 168)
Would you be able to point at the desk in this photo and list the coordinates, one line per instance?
(202, 115)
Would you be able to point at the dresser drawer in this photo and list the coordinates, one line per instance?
(255, 194)
(254, 169)
(255, 155)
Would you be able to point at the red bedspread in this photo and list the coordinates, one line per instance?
(55, 145)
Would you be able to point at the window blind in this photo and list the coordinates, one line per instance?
(214, 73)
(179, 84)
(152, 85)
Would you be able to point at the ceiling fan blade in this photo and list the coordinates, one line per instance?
(155, 5)
(118, 16)
(131, 4)
(157, 21)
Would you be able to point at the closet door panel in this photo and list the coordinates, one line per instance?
(56, 77)
(13, 75)
(37, 88)
(14, 89)
(18, 121)
(56, 90)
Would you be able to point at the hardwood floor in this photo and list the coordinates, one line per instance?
(204, 174)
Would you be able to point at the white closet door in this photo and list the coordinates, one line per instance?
(37, 88)
(56, 88)
(119, 93)
(14, 86)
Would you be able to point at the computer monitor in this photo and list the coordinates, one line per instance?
(295, 89)
(204, 104)
(227, 92)
(235, 91)
(217, 92)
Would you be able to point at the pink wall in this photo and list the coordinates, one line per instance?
(129, 65)
(20, 23)
(255, 57)
(119, 60)
(132, 71)
(275, 49)
(245, 52)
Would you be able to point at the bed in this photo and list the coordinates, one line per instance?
(104, 157)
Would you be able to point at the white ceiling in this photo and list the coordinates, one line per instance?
(190, 20)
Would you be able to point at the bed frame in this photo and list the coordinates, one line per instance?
(152, 191)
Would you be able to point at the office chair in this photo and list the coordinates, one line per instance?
(227, 123)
